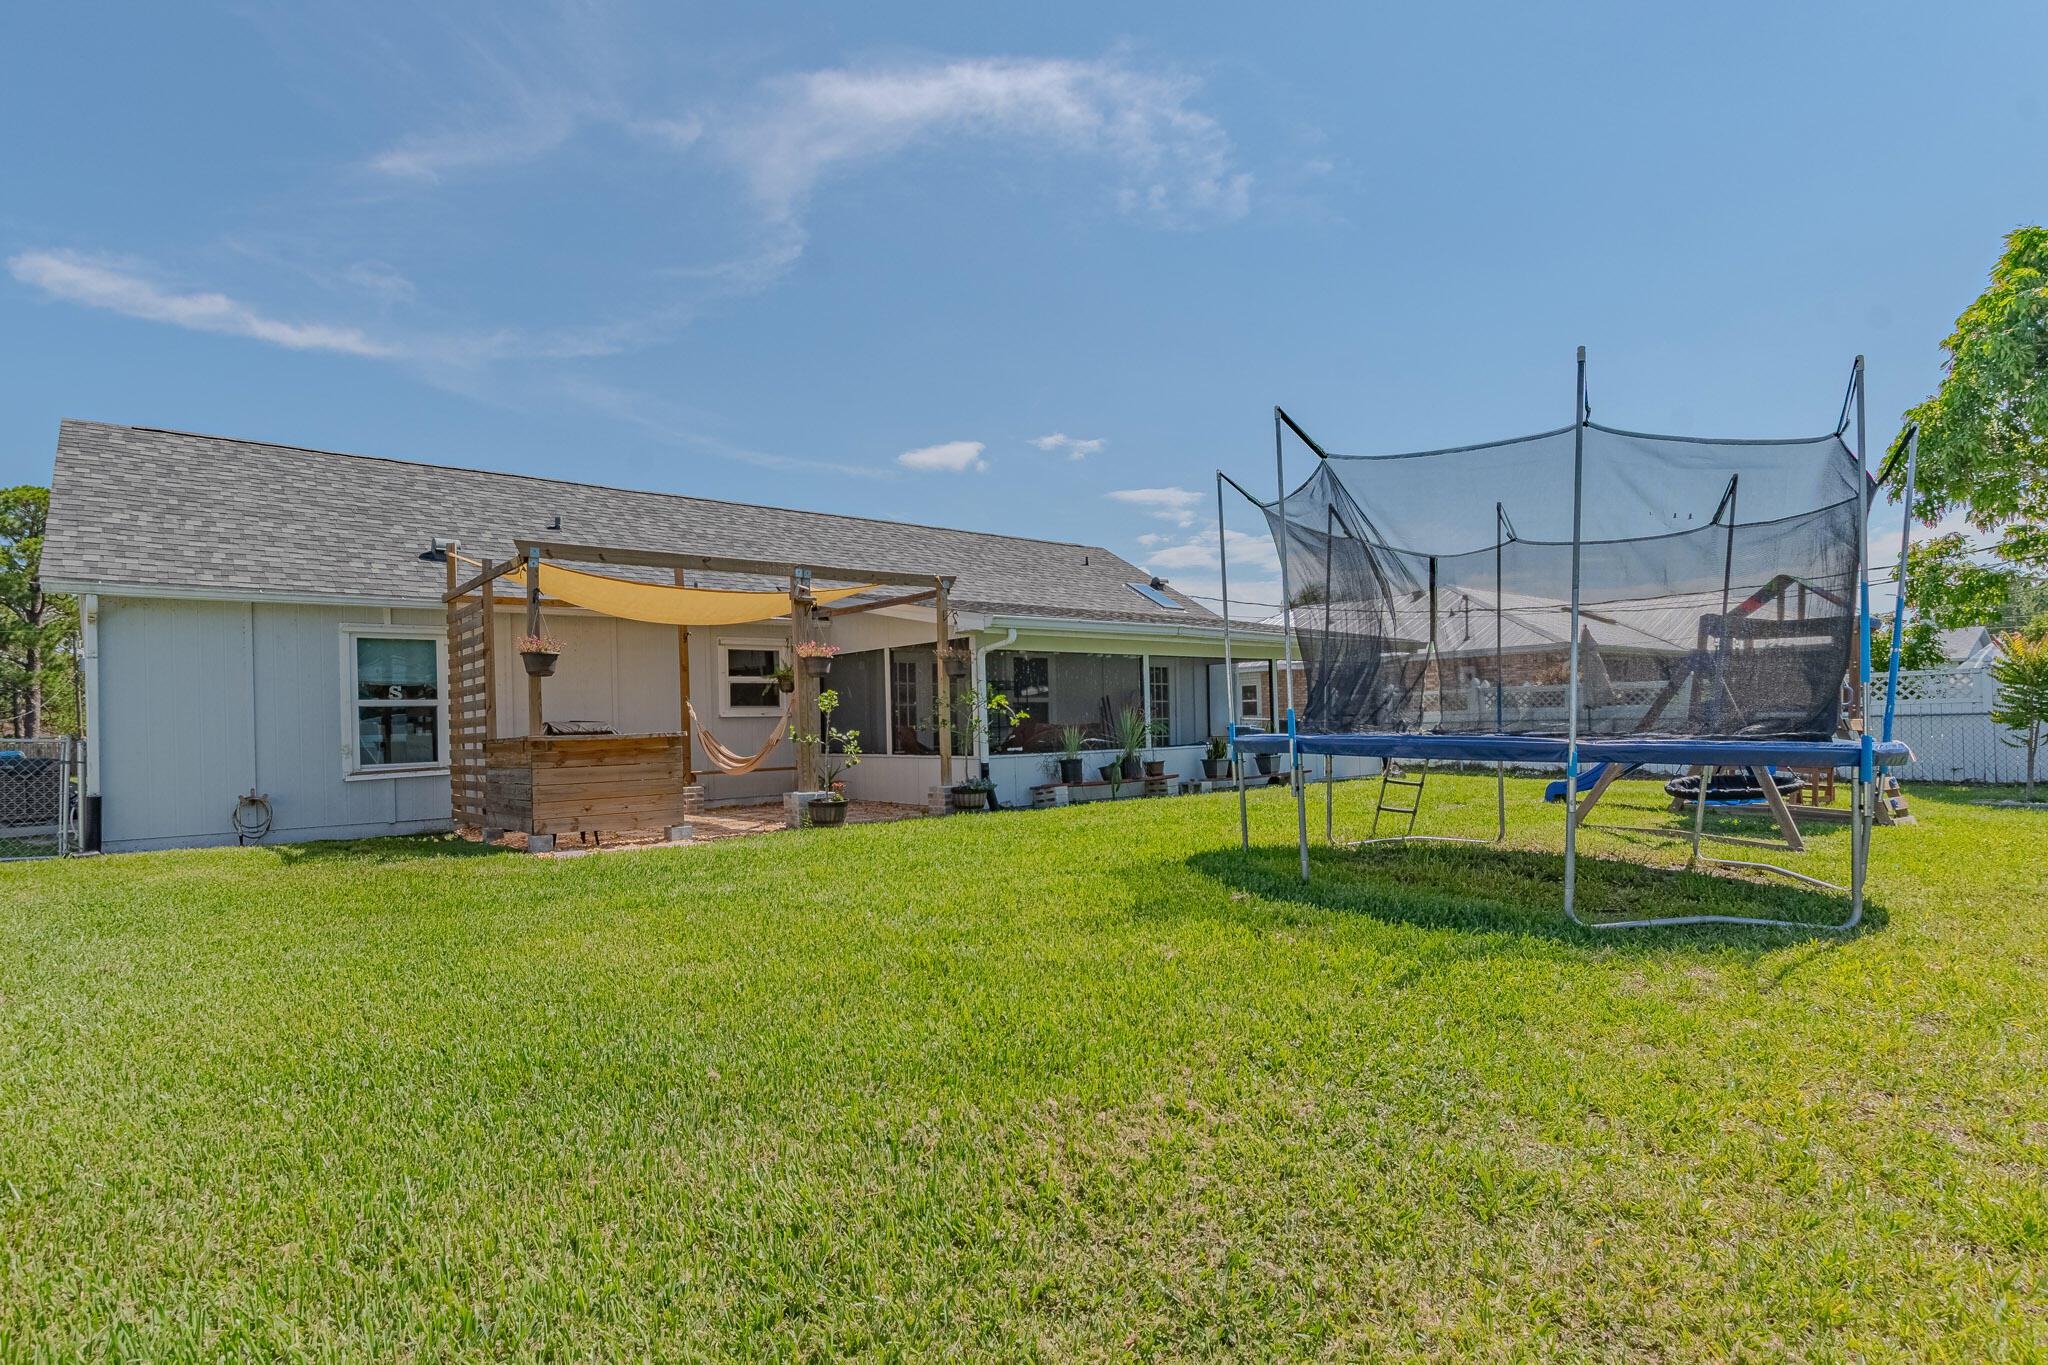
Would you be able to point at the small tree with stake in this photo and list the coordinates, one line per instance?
(2022, 678)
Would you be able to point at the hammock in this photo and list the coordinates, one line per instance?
(726, 760)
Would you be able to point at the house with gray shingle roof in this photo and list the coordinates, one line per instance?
(266, 620)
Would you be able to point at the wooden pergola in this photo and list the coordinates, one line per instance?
(548, 784)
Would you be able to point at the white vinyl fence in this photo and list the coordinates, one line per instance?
(1945, 715)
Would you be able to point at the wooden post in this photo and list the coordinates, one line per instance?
(804, 718)
(490, 600)
(683, 698)
(943, 686)
(533, 713)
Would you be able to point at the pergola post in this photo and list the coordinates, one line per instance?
(804, 718)
(533, 711)
(683, 697)
(939, 682)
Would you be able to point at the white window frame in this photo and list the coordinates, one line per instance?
(726, 678)
(1248, 700)
(352, 768)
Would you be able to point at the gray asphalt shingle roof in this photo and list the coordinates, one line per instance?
(137, 505)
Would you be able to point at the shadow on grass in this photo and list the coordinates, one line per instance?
(393, 848)
(1517, 891)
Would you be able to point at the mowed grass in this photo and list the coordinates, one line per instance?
(1062, 1084)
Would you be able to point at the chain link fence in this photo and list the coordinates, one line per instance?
(38, 801)
(1945, 715)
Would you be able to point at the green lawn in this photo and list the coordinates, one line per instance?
(1060, 1084)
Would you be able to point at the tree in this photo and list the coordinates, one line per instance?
(38, 630)
(2022, 677)
(1984, 433)
(1922, 647)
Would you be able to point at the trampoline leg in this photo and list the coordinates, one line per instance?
(1500, 800)
(1244, 819)
(1859, 846)
(1699, 814)
(1571, 839)
(1300, 791)
(1329, 799)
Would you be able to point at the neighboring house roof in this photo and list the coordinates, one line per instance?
(1970, 646)
(136, 506)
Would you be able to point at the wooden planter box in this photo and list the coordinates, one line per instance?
(576, 784)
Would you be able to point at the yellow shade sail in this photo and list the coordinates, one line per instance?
(669, 606)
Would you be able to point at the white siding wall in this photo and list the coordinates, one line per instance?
(201, 702)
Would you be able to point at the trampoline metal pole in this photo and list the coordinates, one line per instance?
(1859, 849)
(1891, 682)
(1500, 682)
(1287, 647)
(1571, 750)
(1244, 824)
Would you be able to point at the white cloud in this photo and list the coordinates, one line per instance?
(953, 457)
(99, 282)
(1175, 161)
(1076, 448)
(1176, 505)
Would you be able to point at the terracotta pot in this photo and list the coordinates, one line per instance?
(824, 813)
(540, 663)
(1155, 767)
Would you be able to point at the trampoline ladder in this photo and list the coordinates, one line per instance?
(1387, 779)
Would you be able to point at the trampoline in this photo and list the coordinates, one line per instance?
(1586, 595)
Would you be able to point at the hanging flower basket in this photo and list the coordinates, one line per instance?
(539, 653)
(956, 660)
(816, 657)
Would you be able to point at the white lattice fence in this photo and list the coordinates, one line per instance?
(1945, 715)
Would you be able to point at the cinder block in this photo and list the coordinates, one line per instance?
(540, 843)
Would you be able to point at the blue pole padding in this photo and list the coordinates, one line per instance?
(1293, 747)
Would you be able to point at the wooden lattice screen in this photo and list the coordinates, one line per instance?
(469, 703)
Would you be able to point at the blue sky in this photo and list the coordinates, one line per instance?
(1036, 269)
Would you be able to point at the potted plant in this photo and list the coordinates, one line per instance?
(838, 750)
(972, 795)
(539, 653)
(1112, 771)
(957, 659)
(785, 678)
(1216, 763)
(1133, 733)
(1072, 737)
(816, 656)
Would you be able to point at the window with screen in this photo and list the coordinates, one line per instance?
(395, 704)
(747, 684)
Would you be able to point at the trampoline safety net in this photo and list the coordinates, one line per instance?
(1431, 592)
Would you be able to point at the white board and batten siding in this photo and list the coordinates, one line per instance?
(203, 702)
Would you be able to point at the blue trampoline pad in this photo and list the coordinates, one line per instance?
(1550, 751)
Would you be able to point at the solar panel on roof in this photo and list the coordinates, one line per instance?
(1152, 594)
